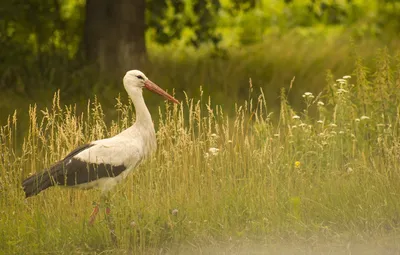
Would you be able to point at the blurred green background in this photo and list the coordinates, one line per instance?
(83, 48)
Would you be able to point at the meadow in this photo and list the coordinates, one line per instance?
(304, 54)
(325, 171)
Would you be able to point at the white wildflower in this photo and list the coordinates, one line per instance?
(296, 117)
(364, 117)
(341, 80)
(341, 132)
(308, 95)
(303, 125)
(357, 120)
(346, 77)
(276, 135)
(332, 125)
(214, 135)
(320, 121)
(320, 103)
(213, 151)
(340, 91)
(349, 170)
(294, 126)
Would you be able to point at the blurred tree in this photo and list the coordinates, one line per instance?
(244, 4)
(206, 24)
(330, 13)
(389, 15)
(171, 19)
(114, 33)
(31, 32)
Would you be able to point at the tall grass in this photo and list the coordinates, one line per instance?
(329, 174)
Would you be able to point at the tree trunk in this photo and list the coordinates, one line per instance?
(114, 34)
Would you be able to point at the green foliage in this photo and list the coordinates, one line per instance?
(194, 20)
(32, 28)
(38, 29)
(40, 43)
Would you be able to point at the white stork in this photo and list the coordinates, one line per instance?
(104, 163)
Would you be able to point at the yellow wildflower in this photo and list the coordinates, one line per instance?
(297, 164)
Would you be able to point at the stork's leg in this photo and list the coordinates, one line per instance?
(110, 221)
(94, 214)
(103, 200)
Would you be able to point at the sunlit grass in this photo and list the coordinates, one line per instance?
(329, 170)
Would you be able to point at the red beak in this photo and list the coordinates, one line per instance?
(153, 87)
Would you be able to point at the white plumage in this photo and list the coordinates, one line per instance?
(128, 148)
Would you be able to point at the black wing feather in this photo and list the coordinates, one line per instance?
(74, 171)
(69, 172)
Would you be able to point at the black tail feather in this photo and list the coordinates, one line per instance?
(50, 177)
(36, 183)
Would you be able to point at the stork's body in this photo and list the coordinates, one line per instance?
(119, 155)
(104, 163)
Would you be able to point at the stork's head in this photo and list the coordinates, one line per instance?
(136, 80)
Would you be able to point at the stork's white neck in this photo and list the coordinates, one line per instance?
(143, 116)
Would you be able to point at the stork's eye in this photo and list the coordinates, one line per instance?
(140, 77)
